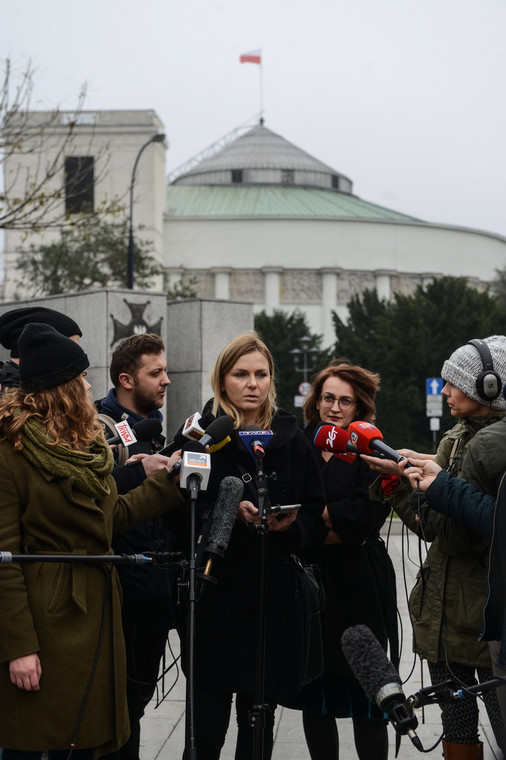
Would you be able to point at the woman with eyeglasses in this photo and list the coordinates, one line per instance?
(357, 572)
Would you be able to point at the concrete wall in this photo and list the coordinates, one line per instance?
(193, 331)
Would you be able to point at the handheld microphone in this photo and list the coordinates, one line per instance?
(335, 440)
(143, 430)
(379, 679)
(256, 440)
(224, 515)
(368, 439)
(218, 431)
(193, 429)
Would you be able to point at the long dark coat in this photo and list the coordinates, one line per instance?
(358, 574)
(57, 609)
(227, 613)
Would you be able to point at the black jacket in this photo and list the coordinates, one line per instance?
(226, 614)
(358, 574)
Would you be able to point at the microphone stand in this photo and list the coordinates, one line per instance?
(448, 691)
(160, 559)
(190, 752)
(260, 710)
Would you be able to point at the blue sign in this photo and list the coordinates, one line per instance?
(433, 386)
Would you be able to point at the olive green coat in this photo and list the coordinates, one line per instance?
(57, 609)
(455, 570)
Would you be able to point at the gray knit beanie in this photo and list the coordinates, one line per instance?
(465, 365)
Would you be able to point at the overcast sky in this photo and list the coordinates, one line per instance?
(405, 98)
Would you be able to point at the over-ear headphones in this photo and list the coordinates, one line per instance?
(488, 383)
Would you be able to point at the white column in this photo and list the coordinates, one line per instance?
(272, 282)
(383, 285)
(328, 305)
(221, 283)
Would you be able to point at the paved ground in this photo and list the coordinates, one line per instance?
(163, 728)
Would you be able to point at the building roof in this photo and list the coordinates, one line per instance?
(260, 174)
(262, 157)
(227, 202)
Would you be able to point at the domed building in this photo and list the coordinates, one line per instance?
(262, 221)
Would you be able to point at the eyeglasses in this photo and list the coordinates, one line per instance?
(345, 402)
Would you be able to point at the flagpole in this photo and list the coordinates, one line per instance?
(261, 88)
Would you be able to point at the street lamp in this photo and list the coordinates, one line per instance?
(130, 253)
(304, 352)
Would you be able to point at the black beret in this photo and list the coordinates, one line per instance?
(13, 322)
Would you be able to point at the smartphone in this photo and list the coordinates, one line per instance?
(285, 509)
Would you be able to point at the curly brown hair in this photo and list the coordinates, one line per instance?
(66, 412)
(365, 384)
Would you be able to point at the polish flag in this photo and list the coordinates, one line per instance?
(254, 56)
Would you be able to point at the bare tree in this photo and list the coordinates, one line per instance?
(33, 148)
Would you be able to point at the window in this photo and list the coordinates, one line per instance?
(287, 176)
(335, 182)
(79, 185)
(236, 176)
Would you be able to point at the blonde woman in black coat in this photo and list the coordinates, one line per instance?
(226, 635)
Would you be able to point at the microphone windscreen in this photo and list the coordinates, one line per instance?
(146, 429)
(224, 515)
(368, 661)
(331, 438)
(218, 429)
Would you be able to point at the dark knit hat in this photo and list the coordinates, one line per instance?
(13, 322)
(47, 358)
(465, 365)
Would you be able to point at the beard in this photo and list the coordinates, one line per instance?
(146, 402)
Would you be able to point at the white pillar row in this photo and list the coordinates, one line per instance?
(272, 282)
(329, 304)
(221, 283)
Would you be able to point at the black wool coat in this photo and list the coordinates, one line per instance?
(227, 612)
(358, 574)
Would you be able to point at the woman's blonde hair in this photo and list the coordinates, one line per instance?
(66, 412)
(365, 385)
(229, 356)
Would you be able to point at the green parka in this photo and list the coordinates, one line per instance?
(70, 614)
(454, 570)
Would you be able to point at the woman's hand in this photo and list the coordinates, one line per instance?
(25, 672)
(385, 466)
(248, 513)
(422, 473)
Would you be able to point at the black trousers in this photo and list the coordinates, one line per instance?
(212, 717)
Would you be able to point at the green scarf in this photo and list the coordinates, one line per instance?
(89, 469)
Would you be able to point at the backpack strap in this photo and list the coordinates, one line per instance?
(120, 451)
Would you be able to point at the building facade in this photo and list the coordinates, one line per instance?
(83, 163)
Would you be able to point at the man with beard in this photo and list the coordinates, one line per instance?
(139, 375)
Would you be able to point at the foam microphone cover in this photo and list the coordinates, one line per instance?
(370, 665)
(146, 429)
(224, 515)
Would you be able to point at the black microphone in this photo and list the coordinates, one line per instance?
(223, 519)
(379, 679)
(192, 429)
(144, 430)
